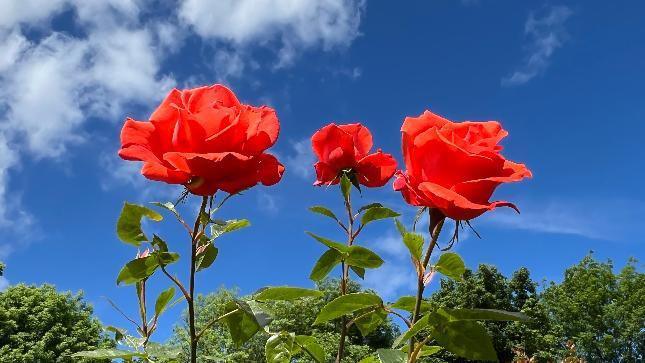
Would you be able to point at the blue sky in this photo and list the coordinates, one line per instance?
(565, 78)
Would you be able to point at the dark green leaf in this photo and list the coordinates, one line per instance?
(325, 264)
(159, 243)
(368, 323)
(324, 211)
(465, 338)
(359, 271)
(311, 346)
(206, 257)
(371, 205)
(109, 354)
(141, 268)
(242, 324)
(391, 356)
(163, 299)
(414, 243)
(128, 227)
(362, 257)
(451, 265)
(486, 314)
(331, 244)
(407, 303)
(285, 293)
(347, 304)
(376, 213)
(345, 186)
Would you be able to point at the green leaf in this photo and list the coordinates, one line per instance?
(141, 268)
(347, 304)
(109, 354)
(359, 271)
(162, 351)
(311, 346)
(451, 265)
(414, 330)
(128, 227)
(325, 264)
(279, 348)
(206, 258)
(376, 213)
(331, 244)
(345, 186)
(163, 300)
(414, 243)
(285, 293)
(218, 229)
(407, 303)
(118, 332)
(242, 324)
(486, 314)
(362, 257)
(400, 227)
(465, 338)
(391, 356)
(159, 243)
(324, 211)
(369, 359)
(371, 205)
(426, 350)
(368, 323)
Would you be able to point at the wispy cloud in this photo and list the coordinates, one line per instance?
(301, 161)
(546, 33)
(597, 219)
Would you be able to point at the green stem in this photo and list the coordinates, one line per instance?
(345, 275)
(434, 229)
(191, 288)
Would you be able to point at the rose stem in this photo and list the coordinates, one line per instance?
(434, 228)
(191, 288)
(345, 275)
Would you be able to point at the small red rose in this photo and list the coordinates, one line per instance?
(345, 149)
(205, 139)
(454, 166)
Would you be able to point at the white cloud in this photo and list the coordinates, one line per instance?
(597, 219)
(391, 280)
(302, 160)
(292, 24)
(267, 202)
(547, 33)
(28, 11)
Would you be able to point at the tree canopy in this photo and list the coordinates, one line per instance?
(600, 311)
(294, 316)
(39, 324)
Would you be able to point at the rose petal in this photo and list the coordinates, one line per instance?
(376, 169)
(158, 172)
(361, 136)
(271, 170)
(325, 174)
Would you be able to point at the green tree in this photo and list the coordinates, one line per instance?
(39, 324)
(602, 312)
(487, 288)
(293, 316)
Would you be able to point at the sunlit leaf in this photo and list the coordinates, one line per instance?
(414, 243)
(391, 356)
(451, 265)
(163, 300)
(347, 304)
(323, 211)
(331, 244)
(376, 213)
(330, 259)
(362, 257)
(285, 293)
(311, 346)
(128, 227)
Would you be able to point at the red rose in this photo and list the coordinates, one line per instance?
(205, 139)
(454, 167)
(342, 148)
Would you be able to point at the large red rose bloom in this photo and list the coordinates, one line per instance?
(205, 139)
(341, 148)
(454, 166)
